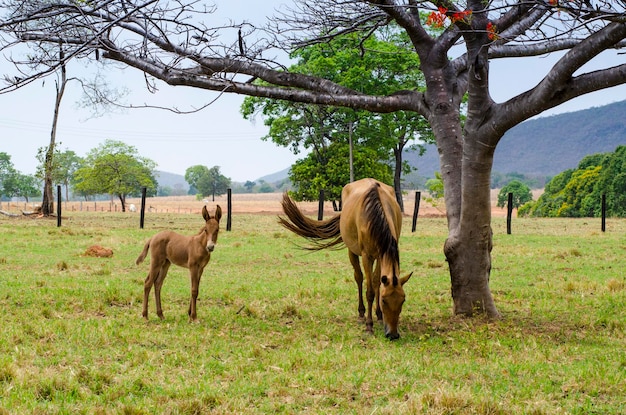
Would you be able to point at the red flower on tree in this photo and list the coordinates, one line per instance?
(461, 16)
(492, 31)
(436, 19)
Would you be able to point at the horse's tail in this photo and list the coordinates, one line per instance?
(143, 254)
(323, 234)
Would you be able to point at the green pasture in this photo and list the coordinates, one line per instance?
(278, 330)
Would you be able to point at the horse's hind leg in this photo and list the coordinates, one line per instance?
(157, 287)
(358, 277)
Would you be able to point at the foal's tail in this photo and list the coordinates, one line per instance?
(143, 254)
(323, 234)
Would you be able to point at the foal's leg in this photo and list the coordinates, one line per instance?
(147, 285)
(153, 275)
(358, 277)
(368, 264)
(158, 283)
(195, 273)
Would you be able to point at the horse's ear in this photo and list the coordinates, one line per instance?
(405, 279)
(218, 213)
(205, 214)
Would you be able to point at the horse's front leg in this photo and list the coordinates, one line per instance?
(195, 274)
(376, 286)
(368, 264)
(358, 277)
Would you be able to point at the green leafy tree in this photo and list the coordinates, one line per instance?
(612, 183)
(249, 185)
(117, 169)
(578, 192)
(301, 126)
(61, 167)
(328, 170)
(193, 175)
(6, 170)
(17, 184)
(521, 194)
(207, 181)
(435, 190)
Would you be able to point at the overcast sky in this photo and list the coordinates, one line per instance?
(216, 136)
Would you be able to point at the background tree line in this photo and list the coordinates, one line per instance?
(578, 192)
(113, 168)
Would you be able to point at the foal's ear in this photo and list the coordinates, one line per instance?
(205, 214)
(218, 213)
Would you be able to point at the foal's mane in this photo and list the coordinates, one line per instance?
(385, 242)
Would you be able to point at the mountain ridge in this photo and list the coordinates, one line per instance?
(537, 148)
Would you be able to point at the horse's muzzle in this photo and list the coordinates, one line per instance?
(391, 335)
(210, 247)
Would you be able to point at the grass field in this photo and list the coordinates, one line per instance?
(279, 333)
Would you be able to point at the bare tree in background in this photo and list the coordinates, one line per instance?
(175, 42)
(47, 202)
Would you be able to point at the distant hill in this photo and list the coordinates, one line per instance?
(548, 145)
(174, 181)
(542, 147)
(275, 177)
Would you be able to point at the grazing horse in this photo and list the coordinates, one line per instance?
(192, 252)
(369, 226)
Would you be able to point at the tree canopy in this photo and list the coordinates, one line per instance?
(14, 183)
(175, 42)
(520, 193)
(388, 66)
(115, 168)
(207, 181)
(578, 192)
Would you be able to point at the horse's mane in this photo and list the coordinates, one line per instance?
(383, 237)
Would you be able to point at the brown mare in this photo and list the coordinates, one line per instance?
(192, 252)
(369, 226)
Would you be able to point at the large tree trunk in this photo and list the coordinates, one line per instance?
(468, 247)
(465, 163)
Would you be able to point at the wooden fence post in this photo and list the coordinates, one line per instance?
(603, 212)
(58, 206)
(509, 213)
(229, 209)
(416, 208)
(142, 212)
(320, 209)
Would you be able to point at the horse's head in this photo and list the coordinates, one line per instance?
(391, 297)
(211, 226)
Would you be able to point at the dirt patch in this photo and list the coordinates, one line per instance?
(98, 251)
